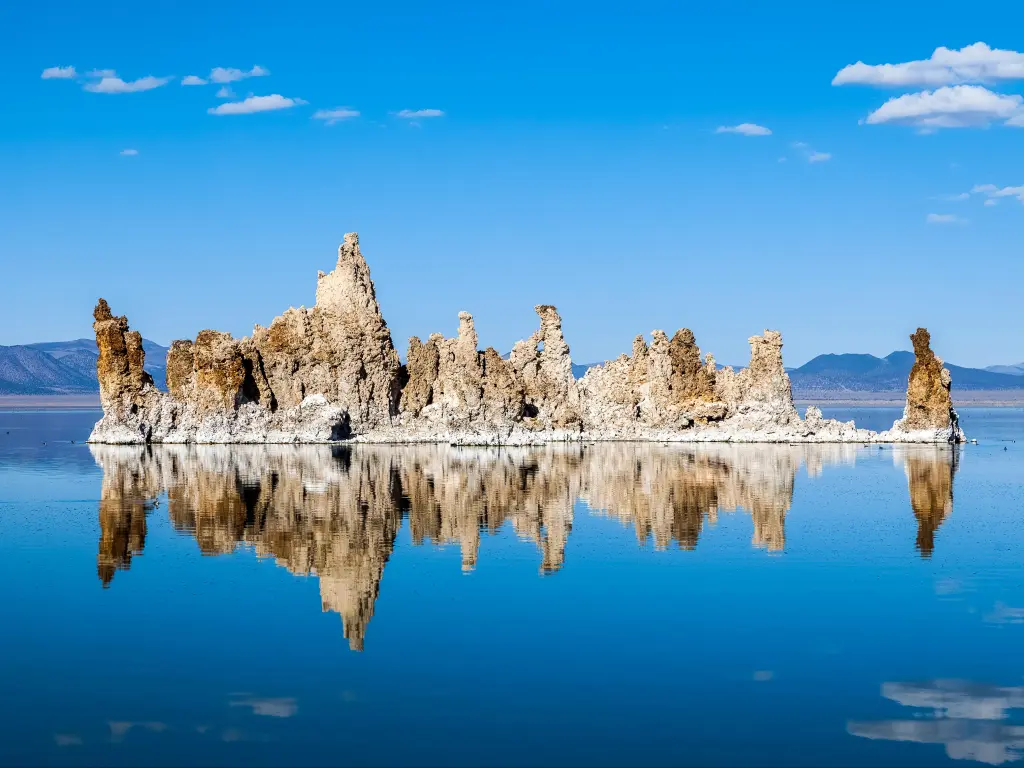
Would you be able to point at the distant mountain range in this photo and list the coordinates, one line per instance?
(1012, 370)
(69, 368)
(867, 373)
(64, 367)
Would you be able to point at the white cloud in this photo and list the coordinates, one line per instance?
(332, 116)
(256, 104)
(954, 198)
(225, 92)
(59, 73)
(745, 129)
(415, 114)
(975, 63)
(990, 203)
(944, 218)
(111, 83)
(101, 73)
(129, 152)
(192, 80)
(230, 74)
(959, 106)
(993, 192)
(810, 154)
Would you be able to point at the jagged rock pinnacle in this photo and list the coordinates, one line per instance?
(332, 372)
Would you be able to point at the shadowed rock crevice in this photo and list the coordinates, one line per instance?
(331, 373)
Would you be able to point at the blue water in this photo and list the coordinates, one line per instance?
(601, 605)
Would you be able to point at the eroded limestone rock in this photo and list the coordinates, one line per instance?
(929, 404)
(331, 373)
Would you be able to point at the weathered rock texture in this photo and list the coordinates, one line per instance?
(335, 511)
(929, 404)
(332, 373)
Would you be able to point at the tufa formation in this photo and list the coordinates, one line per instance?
(332, 373)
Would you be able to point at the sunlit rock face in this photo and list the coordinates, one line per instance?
(331, 373)
(929, 409)
(335, 511)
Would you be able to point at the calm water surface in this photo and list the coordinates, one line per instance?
(607, 605)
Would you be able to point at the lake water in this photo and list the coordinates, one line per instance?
(620, 604)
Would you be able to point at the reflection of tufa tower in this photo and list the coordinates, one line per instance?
(930, 470)
(335, 512)
(126, 496)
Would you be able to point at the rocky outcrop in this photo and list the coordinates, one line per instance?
(331, 373)
(929, 406)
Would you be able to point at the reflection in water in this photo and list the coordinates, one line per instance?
(335, 511)
(965, 718)
(931, 489)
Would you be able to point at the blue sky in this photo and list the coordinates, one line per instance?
(577, 161)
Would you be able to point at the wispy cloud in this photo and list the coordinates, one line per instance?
(332, 116)
(745, 129)
(944, 218)
(231, 75)
(954, 198)
(59, 73)
(959, 106)
(992, 192)
(416, 114)
(977, 63)
(192, 80)
(129, 152)
(284, 706)
(225, 92)
(256, 104)
(101, 73)
(109, 82)
(810, 154)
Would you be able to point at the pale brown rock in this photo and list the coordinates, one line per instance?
(181, 368)
(219, 371)
(119, 366)
(662, 386)
(422, 368)
(543, 364)
(504, 399)
(761, 391)
(332, 373)
(341, 349)
(929, 405)
(691, 381)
